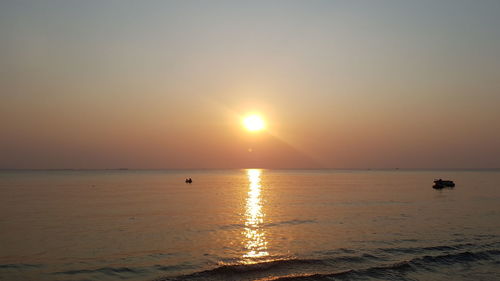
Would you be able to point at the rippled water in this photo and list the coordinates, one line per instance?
(249, 225)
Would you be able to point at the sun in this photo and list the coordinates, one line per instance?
(254, 123)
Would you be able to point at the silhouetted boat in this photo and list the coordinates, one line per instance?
(438, 184)
(189, 180)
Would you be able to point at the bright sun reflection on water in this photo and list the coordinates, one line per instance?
(255, 242)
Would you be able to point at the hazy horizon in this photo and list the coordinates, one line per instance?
(165, 84)
(125, 169)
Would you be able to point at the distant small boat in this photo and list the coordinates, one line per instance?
(439, 184)
(188, 180)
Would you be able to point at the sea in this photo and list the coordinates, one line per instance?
(253, 224)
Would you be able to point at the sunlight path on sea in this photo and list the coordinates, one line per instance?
(255, 240)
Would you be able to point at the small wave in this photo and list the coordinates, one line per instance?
(231, 226)
(440, 248)
(104, 270)
(418, 250)
(271, 224)
(289, 263)
(458, 257)
(166, 267)
(242, 271)
(290, 222)
(396, 270)
(20, 265)
(376, 272)
(335, 252)
(238, 268)
(319, 269)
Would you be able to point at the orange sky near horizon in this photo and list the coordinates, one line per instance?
(165, 84)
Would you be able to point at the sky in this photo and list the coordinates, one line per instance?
(165, 84)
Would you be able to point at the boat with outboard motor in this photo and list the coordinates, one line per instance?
(439, 184)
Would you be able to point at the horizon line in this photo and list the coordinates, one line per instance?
(260, 168)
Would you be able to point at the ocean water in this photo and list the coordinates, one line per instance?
(249, 225)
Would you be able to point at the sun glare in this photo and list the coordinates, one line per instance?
(254, 123)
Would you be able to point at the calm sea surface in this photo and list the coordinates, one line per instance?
(249, 225)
